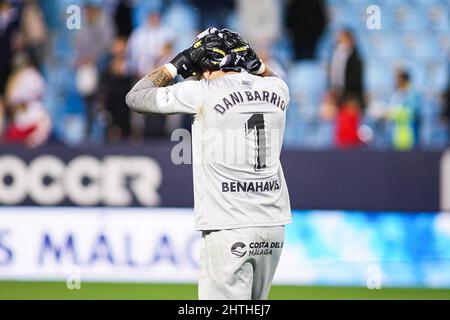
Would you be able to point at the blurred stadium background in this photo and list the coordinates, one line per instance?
(91, 205)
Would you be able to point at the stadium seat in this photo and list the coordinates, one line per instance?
(282, 51)
(141, 9)
(336, 2)
(384, 45)
(420, 45)
(438, 19)
(443, 42)
(300, 122)
(379, 75)
(339, 16)
(183, 20)
(409, 18)
(307, 83)
(324, 46)
(433, 132)
(437, 75)
(389, 2)
(419, 76)
(324, 135)
(307, 76)
(427, 3)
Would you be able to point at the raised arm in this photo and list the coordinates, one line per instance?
(144, 96)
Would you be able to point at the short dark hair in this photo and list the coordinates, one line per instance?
(404, 75)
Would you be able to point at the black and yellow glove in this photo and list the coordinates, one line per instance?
(186, 62)
(238, 62)
(240, 54)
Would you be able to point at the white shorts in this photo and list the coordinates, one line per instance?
(239, 264)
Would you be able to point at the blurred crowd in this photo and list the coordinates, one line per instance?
(64, 80)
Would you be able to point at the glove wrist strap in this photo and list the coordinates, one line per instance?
(172, 69)
(261, 69)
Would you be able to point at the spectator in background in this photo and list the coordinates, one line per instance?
(33, 31)
(115, 84)
(306, 22)
(94, 39)
(403, 113)
(9, 24)
(260, 26)
(92, 43)
(149, 46)
(348, 122)
(346, 69)
(29, 122)
(123, 18)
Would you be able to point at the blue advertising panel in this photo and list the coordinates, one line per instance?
(366, 248)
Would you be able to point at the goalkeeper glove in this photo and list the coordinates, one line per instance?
(236, 62)
(237, 46)
(185, 62)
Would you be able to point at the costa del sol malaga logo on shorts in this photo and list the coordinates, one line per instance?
(236, 249)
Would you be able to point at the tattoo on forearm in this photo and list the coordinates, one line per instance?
(160, 77)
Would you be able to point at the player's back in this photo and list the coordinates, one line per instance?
(237, 139)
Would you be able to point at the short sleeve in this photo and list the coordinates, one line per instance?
(183, 97)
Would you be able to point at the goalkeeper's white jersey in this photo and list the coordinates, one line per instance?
(237, 136)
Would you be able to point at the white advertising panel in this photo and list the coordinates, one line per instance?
(98, 244)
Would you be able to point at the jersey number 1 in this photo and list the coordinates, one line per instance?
(256, 124)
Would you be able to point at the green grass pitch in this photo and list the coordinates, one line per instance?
(140, 291)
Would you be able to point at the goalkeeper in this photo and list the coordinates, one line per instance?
(241, 207)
